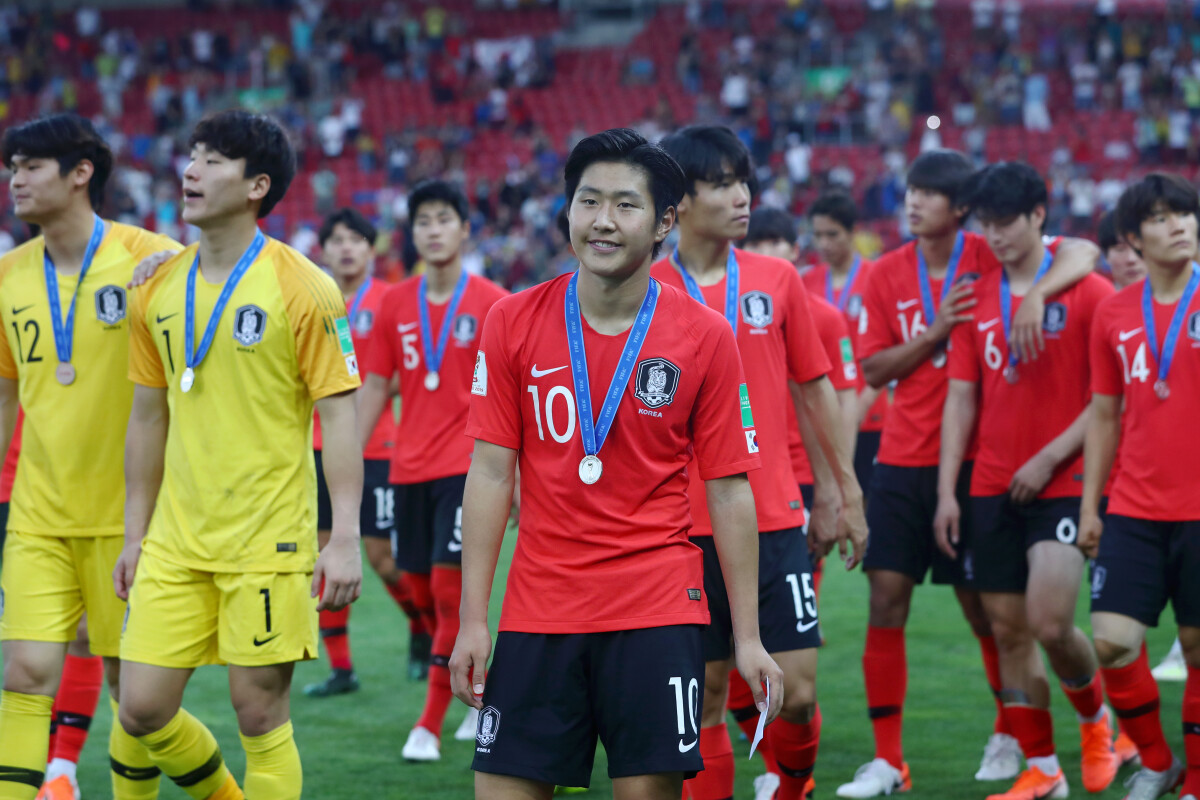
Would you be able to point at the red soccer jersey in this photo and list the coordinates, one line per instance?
(1017, 420)
(839, 348)
(9, 473)
(817, 281)
(379, 448)
(614, 555)
(778, 340)
(429, 439)
(1159, 438)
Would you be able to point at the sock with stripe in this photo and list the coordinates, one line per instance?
(715, 782)
(421, 589)
(447, 595)
(1133, 693)
(991, 667)
(1191, 733)
(1087, 699)
(273, 769)
(24, 743)
(187, 753)
(795, 748)
(1034, 731)
(75, 705)
(745, 713)
(885, 670)
(401, 592)
(335, 634)
(134, 776)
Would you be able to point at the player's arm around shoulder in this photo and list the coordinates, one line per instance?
(151, 250)
(1074, 260)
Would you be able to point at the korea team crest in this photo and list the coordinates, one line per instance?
(489, 726)
(757, 309)
(463, 329)
(249, 323)
(1193, 326)
(656, 382)
(364, 321)
(854, 306)
(1055, 318)
(110, 304)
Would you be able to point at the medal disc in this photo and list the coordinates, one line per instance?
(590, 469)
(939, 359)
(1010, 374)
(1162, 390)
(432, 381)
(189, 377)
(65, 373)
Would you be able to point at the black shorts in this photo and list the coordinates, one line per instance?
(1143, 564)
(376, 515)
(864, 458)
(428, 523)
(1004, 531)
(548, 697)
(787, 599)
(806, 494)
(900, 519)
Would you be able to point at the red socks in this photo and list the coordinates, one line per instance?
(818, 575)
(420, 587)
(741, 705)
(796, 750)
(1191, 733)
(1133, 693)
(401, 592)
(1086, 699)
(75, 705)
(885, 669)
(446, 584)
(715, 782)
(1033, 728)
(335, 633)
(991, 667)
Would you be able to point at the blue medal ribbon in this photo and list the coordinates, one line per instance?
(1168, 349)
(1006, 302)
(358, 298)
(594, 433)
(947, 283)
(732, 284)
(840, 300)
(64, 333)
(433, 359)
(192, 355)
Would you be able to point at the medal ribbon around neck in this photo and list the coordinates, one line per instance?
(64, 332)
(732, 284)
(433, 359)
(1006, 303)
(947, 282)
(358, 298)
(1168, 349)
(840, 299)
(594, 433)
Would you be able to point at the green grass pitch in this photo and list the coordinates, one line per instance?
(351, 744)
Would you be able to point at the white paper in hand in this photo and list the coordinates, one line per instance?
(762, 721)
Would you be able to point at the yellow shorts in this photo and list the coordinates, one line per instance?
(183, 618)
(48, 582)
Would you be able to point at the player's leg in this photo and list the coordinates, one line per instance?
(412, 550)
(796, 734)
(260, 697)
(508, 787)
(74, 707)
(377, 522)
(1184, 561)
(1189, 640)
(663, 786)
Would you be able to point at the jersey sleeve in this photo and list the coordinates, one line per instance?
(317, 313)
(875, 334)
(724, 437)
(963, 356)
(495, 414)
(806, 357)
(1106, 369)
(379, 358)
(8, 365)
(839, 349)
(145, 362)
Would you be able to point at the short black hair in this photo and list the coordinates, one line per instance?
(1106, 232)
(438, 191)
(1004, 191)
(257, 138)
(943, 171)
(353, 219)
(768, 224)
(707, 153)
(627, 146)
(67, 138)
(1141, 200)
(838, 206)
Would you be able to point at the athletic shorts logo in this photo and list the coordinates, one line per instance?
(464, 329)
(757, 309)
(479, 379)
(1099, 576)
(364, 320)
(656, 382)
(1055, 318)
(489, 726)
(249, 323)
(110, 304)
(1193, 326)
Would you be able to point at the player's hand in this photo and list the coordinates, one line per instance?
(954, 309)
(1027, 340)
(340, 566)
(853, 522)
(1031, 478)
(1090, 529)
(146, 268)
(468, 662)
(946, 523)
(756, 667)
(823, 529)
(126, 566)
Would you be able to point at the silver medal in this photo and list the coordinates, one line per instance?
(590, 469)
(1010, 374)
(1161, 390)
(432, 381)
(64, 372)
(939, 359)
(189, 378)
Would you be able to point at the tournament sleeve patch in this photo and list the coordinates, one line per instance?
(847, 350)
(347, 344)
(479, 380)
(744, 398)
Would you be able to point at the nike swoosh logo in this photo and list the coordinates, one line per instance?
(161, 320)
(407, 327)
(804, 627)
(983, 326)
(538, 373)
(258, 643)
(906, 304)
(22, 308)
(1125, 336)
(683, 748)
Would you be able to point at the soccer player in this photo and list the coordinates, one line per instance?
(840, 280)
(1025, 484)
(600, 633)
(764, 302)
(914, 296)
(347, 242)
(428, 334)
(1145, 369)
(1124, 262)
(226, 559)
(62, 304)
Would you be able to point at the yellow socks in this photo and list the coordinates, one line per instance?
(134, 776)
(273, 769)
(187, 753)
(24, 743)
